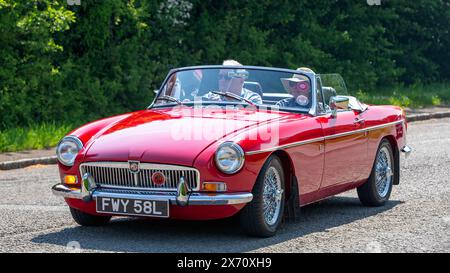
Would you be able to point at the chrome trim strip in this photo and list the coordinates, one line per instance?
(298, 143)
(194, 198)
(313, 140)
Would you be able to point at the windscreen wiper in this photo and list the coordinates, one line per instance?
(169, 98)
(233, 96)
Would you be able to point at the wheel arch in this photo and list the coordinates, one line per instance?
(395, 150)
(292, 206)
(288, 166)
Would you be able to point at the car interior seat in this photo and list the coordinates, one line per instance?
(255, 87)
(328, 92)
(209, 82)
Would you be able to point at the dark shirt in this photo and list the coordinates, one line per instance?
(292, 103)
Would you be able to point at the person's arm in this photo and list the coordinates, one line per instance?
(211, 96)
(253, 97)
(282, 103)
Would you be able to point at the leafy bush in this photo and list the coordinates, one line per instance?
(71, 64)
(38, 136)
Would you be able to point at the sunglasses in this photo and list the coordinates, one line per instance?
(299, 85)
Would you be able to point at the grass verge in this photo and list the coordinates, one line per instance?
(38, 136)
(415, 96)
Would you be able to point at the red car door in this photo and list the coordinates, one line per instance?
(345, 148)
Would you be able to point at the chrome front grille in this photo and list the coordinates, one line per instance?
(118, 175)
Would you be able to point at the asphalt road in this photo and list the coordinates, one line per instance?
(417, 219)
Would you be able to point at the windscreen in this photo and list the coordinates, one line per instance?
(223, 86)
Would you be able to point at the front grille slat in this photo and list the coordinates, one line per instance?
(167, 175)
(115, 174)
(109, 176)
(104, 176)
(118, 175)
(122, 177)
(100, 174)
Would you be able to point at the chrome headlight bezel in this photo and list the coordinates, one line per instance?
(239, 157)
(76, 142)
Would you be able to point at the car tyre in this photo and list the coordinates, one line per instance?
(377, 190)
(85, 219)
(264, 214)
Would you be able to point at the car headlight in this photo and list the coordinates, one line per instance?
(229, 157)
(67, 150)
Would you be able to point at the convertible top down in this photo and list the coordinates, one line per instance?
(220, 141)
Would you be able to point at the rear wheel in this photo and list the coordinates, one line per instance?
(263, 215)
(377, 190)
(85, 219)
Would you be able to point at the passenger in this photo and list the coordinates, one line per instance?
(300, 88)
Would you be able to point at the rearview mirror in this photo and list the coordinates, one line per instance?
(338, 103)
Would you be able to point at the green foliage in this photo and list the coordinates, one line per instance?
(38, 136)
(27, 52)
(72, 64)
(413, 96)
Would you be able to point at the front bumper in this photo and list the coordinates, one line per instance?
(175, 198)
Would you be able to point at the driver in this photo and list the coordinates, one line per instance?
(300, 89)
(232, 80)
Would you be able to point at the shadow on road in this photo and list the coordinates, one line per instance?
(137, 235)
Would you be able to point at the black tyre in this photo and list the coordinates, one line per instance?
(263, 215)
(85, 219)
(377, 190)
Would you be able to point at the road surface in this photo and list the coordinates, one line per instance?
(417, 219)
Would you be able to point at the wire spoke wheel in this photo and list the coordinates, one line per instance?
(263, 216)
(383, 172)
(272, 196)
(378, 187)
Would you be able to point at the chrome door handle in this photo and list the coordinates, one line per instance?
(359, 120)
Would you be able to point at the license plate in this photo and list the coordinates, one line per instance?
(134, 207)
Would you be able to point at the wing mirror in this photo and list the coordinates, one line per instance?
(338, 103)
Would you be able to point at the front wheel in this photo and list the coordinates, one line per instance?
(263, 215)
(377, 190)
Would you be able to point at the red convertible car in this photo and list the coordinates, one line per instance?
(220, 141)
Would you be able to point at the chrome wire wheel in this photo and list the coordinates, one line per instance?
(383, 172)
(377, 189)
(272, 196)
(263, 216)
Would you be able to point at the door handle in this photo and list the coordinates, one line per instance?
(359, 120)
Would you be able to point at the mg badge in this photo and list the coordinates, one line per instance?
(134, 166)
(158, 178)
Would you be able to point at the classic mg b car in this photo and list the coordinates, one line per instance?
(220, 141)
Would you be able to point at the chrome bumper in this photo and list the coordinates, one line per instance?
(406, 150)
(179, 198)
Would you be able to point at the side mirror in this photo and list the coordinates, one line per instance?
(337, 103)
